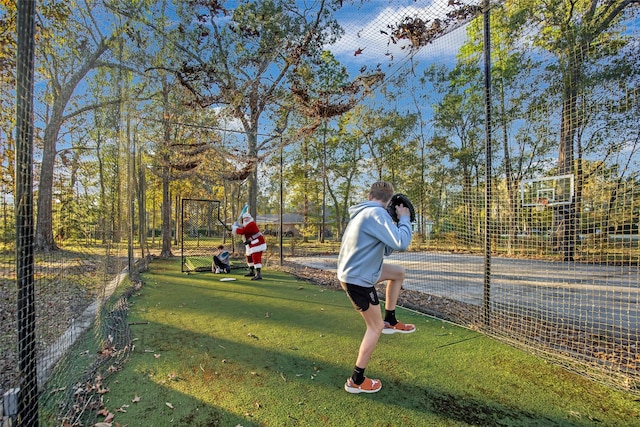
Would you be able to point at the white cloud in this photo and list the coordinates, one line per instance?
(363, 30)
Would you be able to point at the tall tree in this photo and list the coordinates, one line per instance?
(345, 163)
(322, 91)
(8, 49)
(578, 34)
(515, 113)
(459, 115)
(180, 136)
(386, 136)
(242, 61)
(76, 46)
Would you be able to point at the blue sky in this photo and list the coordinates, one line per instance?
(363, 25)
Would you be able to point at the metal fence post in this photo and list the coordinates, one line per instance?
(28, 394)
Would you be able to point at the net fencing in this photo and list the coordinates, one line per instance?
(62, 261)
(204, 228)
(527, 207)
(533, 238)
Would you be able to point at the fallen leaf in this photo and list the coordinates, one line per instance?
(169, 405)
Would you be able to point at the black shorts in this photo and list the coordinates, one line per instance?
(361, 297)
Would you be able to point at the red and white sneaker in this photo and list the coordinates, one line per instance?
(399, 327)
(367, 386)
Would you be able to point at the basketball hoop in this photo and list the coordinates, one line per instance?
(552, 191)
(541, 204)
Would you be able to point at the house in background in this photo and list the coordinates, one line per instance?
(270, 224)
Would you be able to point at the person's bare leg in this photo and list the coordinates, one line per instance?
(373, 320)
(394, 275)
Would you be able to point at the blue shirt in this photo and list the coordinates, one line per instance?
(369, 237)
(224, 257)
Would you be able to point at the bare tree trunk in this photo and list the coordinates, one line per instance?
(142, 212)
(252, 145)
(468, 202)
(102, 202)
(565, 215)
(166, 196)
(166, 215)
(44, 221)
(61, 95)
(512, 185)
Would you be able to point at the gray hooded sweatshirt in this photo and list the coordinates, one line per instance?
(369, 237)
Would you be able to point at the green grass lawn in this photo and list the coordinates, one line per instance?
(277, 352)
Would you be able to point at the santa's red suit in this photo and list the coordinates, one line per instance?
(254, 243)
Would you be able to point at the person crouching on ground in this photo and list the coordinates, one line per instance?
(369, 236)
(255, 244)
(221, 261)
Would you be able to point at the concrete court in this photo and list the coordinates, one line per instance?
(591, 296)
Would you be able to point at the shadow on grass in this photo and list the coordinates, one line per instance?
(268, 386)
(276, 352)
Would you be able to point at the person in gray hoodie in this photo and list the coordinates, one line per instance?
(370, 236)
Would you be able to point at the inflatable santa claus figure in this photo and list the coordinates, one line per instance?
(254, 243)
